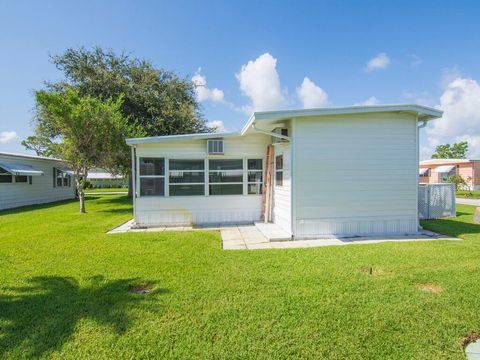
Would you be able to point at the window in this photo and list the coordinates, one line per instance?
(255, 176)
(21, 179)
(225, 177)
(186, 177)
(61, 178)
(5, 176)
(152, 177)
(279, 170)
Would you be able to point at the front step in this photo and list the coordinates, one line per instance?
(273, 232)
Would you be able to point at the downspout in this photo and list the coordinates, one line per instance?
(134, 181)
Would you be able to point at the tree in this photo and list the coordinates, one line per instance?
(40, 145)
(458, 180)
(159, 101)
(456, 151)
(82, 130)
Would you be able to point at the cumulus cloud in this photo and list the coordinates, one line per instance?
(203, 92)
(381, 61)
(7, 136)
(218, 125)
(372, 100)
(460, 103)
(311, 95)
(259, 80)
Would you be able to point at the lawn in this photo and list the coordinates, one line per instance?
(105, 190)
(65, 292)
(474, 194)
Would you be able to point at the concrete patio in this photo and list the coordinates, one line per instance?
(269, 236)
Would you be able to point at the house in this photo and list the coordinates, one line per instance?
(314, 172)
(438, 171)
(27, 179)
(100, 178)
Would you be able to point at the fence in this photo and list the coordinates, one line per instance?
(436, 201)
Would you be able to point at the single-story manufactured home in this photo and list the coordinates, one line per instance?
(100, 178)
(314, 173)
(27, 180)
(435, 171)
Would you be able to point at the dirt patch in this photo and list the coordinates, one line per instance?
(431, 288)
(141, 289)
(467, 340)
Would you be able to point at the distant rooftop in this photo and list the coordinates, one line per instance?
(445, 161)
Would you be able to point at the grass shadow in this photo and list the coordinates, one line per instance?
(451, 227)
(23, 209)
(41, 317)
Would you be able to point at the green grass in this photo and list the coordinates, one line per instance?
(64, 292)
(104, 190)
(474, 194)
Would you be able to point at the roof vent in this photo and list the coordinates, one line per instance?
(215, 146)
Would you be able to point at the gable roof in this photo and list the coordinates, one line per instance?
(424, 113)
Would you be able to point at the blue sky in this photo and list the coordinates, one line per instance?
(257, 55)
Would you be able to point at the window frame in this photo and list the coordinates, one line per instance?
(279, 171)
(242, 160)
(64, 177)
(204, 171)
(6, 174)
(140, 176)
(261, 171)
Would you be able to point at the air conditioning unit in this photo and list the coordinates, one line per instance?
(279, 131)
(215, 146)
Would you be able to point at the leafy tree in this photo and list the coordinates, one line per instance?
(82, 130)
(458, 180)
(40, 145)
(159, 101)
(456, 151)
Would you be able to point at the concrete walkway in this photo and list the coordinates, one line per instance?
(474, 202)
(269, 236)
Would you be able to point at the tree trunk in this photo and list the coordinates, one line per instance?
(130, 185)
(81, 196)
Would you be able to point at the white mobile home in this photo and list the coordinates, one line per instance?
(313, 172)
(26, 180)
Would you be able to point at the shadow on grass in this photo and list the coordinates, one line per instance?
(26, 208)
(451, 227)
(118, 199)
(41, 317)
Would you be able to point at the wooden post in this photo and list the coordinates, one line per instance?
(267, 193)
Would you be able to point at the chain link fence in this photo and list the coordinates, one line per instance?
(436, 201)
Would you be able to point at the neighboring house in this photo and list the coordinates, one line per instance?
(27, 179)
(313, 172)
(99, 178)
(438, 170)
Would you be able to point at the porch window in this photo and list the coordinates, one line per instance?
(255, 176)
(225, 177)
(152, 176)
(279, 170)
(186, 177)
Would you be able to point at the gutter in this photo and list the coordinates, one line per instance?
(254, 127)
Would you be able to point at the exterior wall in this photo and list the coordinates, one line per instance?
(470, 171)
(213, 209)
(355, 175)
(40, 191)
(282, 206)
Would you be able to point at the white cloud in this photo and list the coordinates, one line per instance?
(381, 61)
(460, 102)
(7, 136)
(311, 95)
(259, 80)
(372, 100)
(218, 125)
(415, 60)
(204, 93)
